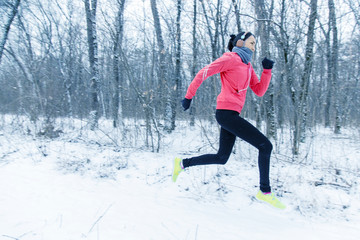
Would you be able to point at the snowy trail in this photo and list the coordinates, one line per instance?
(39, 202)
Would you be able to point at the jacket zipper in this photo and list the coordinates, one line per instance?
(248, 82)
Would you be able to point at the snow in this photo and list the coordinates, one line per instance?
(84, 186)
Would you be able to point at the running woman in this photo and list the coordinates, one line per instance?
(237, 75)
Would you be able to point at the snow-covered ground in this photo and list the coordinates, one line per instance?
(97, 185)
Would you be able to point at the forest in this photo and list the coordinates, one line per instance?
(127, 59)
(91, 120)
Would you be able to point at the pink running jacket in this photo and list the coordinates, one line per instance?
(236, 77)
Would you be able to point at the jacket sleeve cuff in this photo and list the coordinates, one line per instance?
(188, 96)
(267, 71)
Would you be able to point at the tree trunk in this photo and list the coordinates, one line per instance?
(194, 63)
(264, 35)
(214, 39)
(90, 8)
(283, 39)
(164, 90)
(237, 15)
(334, 63)
(330, 85)
(119, 27)
(302, 112)
(175, 95)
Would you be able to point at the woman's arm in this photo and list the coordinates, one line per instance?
(219, 65)
(260, 87)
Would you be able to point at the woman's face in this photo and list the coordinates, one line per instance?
(250, 43)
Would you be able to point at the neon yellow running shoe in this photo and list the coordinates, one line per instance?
(177, 169)
(271, 199)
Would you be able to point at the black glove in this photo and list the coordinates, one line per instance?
(267, 63)
(186, 103)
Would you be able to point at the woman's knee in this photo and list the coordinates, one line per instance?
(266, 147)
(223, 158)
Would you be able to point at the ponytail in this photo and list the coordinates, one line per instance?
(231, 42)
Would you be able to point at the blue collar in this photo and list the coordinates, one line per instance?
(244, 53)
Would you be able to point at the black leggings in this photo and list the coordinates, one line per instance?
(232, 126)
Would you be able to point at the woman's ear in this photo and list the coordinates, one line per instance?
(240, 43)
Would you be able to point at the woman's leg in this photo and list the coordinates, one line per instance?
(232, 126)
(232, 122)
(227, 141)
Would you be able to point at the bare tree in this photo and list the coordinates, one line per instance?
(285, 64)
(333, 64)
(90, 9)
(194, 60)
(162, 72)
(332, 68)
(330, 86)
(213, 35)
(68, 49)
(147, 106)
(354, 6)
(44, 71)
(119, 29)
(301, 113)
(264, 35)
(176, 95)
(237, 15)
(213, 29)
(29, 64)
(14, 10)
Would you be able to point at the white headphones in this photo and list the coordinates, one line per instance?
(243, 36)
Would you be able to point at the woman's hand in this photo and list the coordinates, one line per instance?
(267, 63)
(186, 103)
